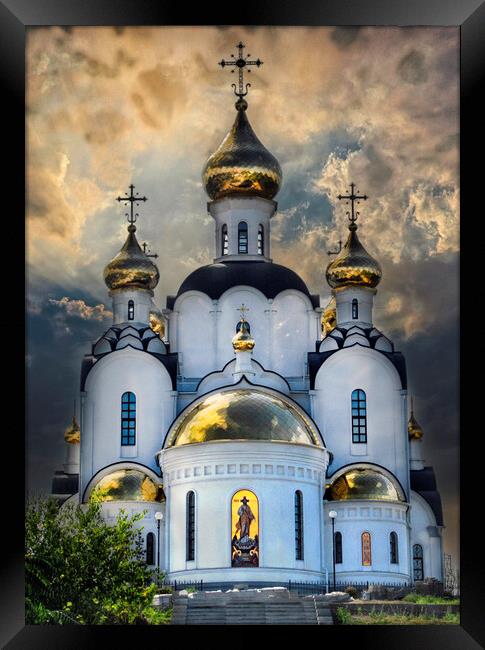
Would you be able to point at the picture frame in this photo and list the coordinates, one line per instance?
(16, 16)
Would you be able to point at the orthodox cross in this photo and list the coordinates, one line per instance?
(352, 197)
(242, 309)
(145, 248)
(337, 251)
(131, 199)
(241, 62)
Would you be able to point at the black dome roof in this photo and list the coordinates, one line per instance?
(269, 278)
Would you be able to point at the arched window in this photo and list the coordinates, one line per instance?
(355, 308)
(260, 240)
(190, 526)
(225, 240)
(359, 416)
(393, 548)
(128, 419)
(338, 548)
(298, 525)
(131, 310)
(242, 237)
(418, 568)
(366, 549)
(150, 548)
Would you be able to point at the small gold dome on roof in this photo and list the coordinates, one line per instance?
(353, 266)
(415, 431)
(329, 317)
(242, 165)
(131, 268)
(127, 485)
(243, 414)
(362, 483)
(72, 434)
(243, 340)
(157, 323)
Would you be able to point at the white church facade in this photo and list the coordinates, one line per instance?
(265, 438)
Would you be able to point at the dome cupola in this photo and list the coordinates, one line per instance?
(131, 268)
(415, 432)
(72, 434)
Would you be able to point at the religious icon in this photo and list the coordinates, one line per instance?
(245, 548)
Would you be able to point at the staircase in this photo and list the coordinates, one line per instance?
(249, 607)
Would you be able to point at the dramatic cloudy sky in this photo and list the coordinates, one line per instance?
(378, 106)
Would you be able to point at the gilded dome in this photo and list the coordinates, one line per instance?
(329, 317)
(243, 414)
(72, 434)
(243, 340)
(242, 165)
(353, 266)
(157, 323)
(131, 268)
(127, 485)
(362, 483)
(415, 431)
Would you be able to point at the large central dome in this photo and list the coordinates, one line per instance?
(243, 414)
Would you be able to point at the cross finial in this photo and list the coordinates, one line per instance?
(242, 309)
(145, 249)
(132, 200)
(353, 198)
(241, 62)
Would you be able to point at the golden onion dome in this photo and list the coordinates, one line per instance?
(72, 434)
(353, 266)
(415, 431)
(127, 485)
(362, 483)
(243, 340)
(243, 414)
(329, 317)
(242, 165)
(157, 324)
(131, 268)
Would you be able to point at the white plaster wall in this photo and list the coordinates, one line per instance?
(422, 523)
(344, 298)
(227, 376)
(273, 471)
(387, 438)
(293, 317)
(111, 376)
(379, 518)
(195, 336)
(143, 300)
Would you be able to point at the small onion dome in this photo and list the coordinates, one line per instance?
(127, 485)
(243, 340)
(353, 266)
(72, 434)
(131, 268)
(243, 414)
(329, 317)
(360, 483)
(415, 431)
(157, 323)
(242, 165)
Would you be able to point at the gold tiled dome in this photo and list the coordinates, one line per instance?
(157, 323)
(72, 434)
(131, 268)
(243, 414)
(362, 483)
(127, 485)
(243, 340)
(242, 165)
(415, 431)
(329, 317)
(353, 266)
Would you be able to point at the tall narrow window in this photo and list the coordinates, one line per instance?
(150, 548)
(338, 548)
(299, 525)
(190, 533)
(418, 569)
(242, 237)
(131, 310)
(260, 240)
(128, 419)
(394, 551)
(225, 240)
(359, 416)
(366, 550)
(355, 308)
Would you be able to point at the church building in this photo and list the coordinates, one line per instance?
(265, 439)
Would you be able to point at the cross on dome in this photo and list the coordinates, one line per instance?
(241, 62)
(242, 310)
(132, 200)
(353, 198)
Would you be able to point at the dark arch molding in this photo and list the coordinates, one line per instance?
(119, 462)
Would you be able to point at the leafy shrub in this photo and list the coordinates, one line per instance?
(344, 617)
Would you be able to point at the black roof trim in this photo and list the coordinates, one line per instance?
(63, 483)
(423, 482)
(217, 372)
(269, 278)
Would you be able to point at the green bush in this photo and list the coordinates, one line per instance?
(80, 569)
(429, 600)
(344, 617)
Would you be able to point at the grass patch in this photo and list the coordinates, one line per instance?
(430, 600)
(344, 617)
